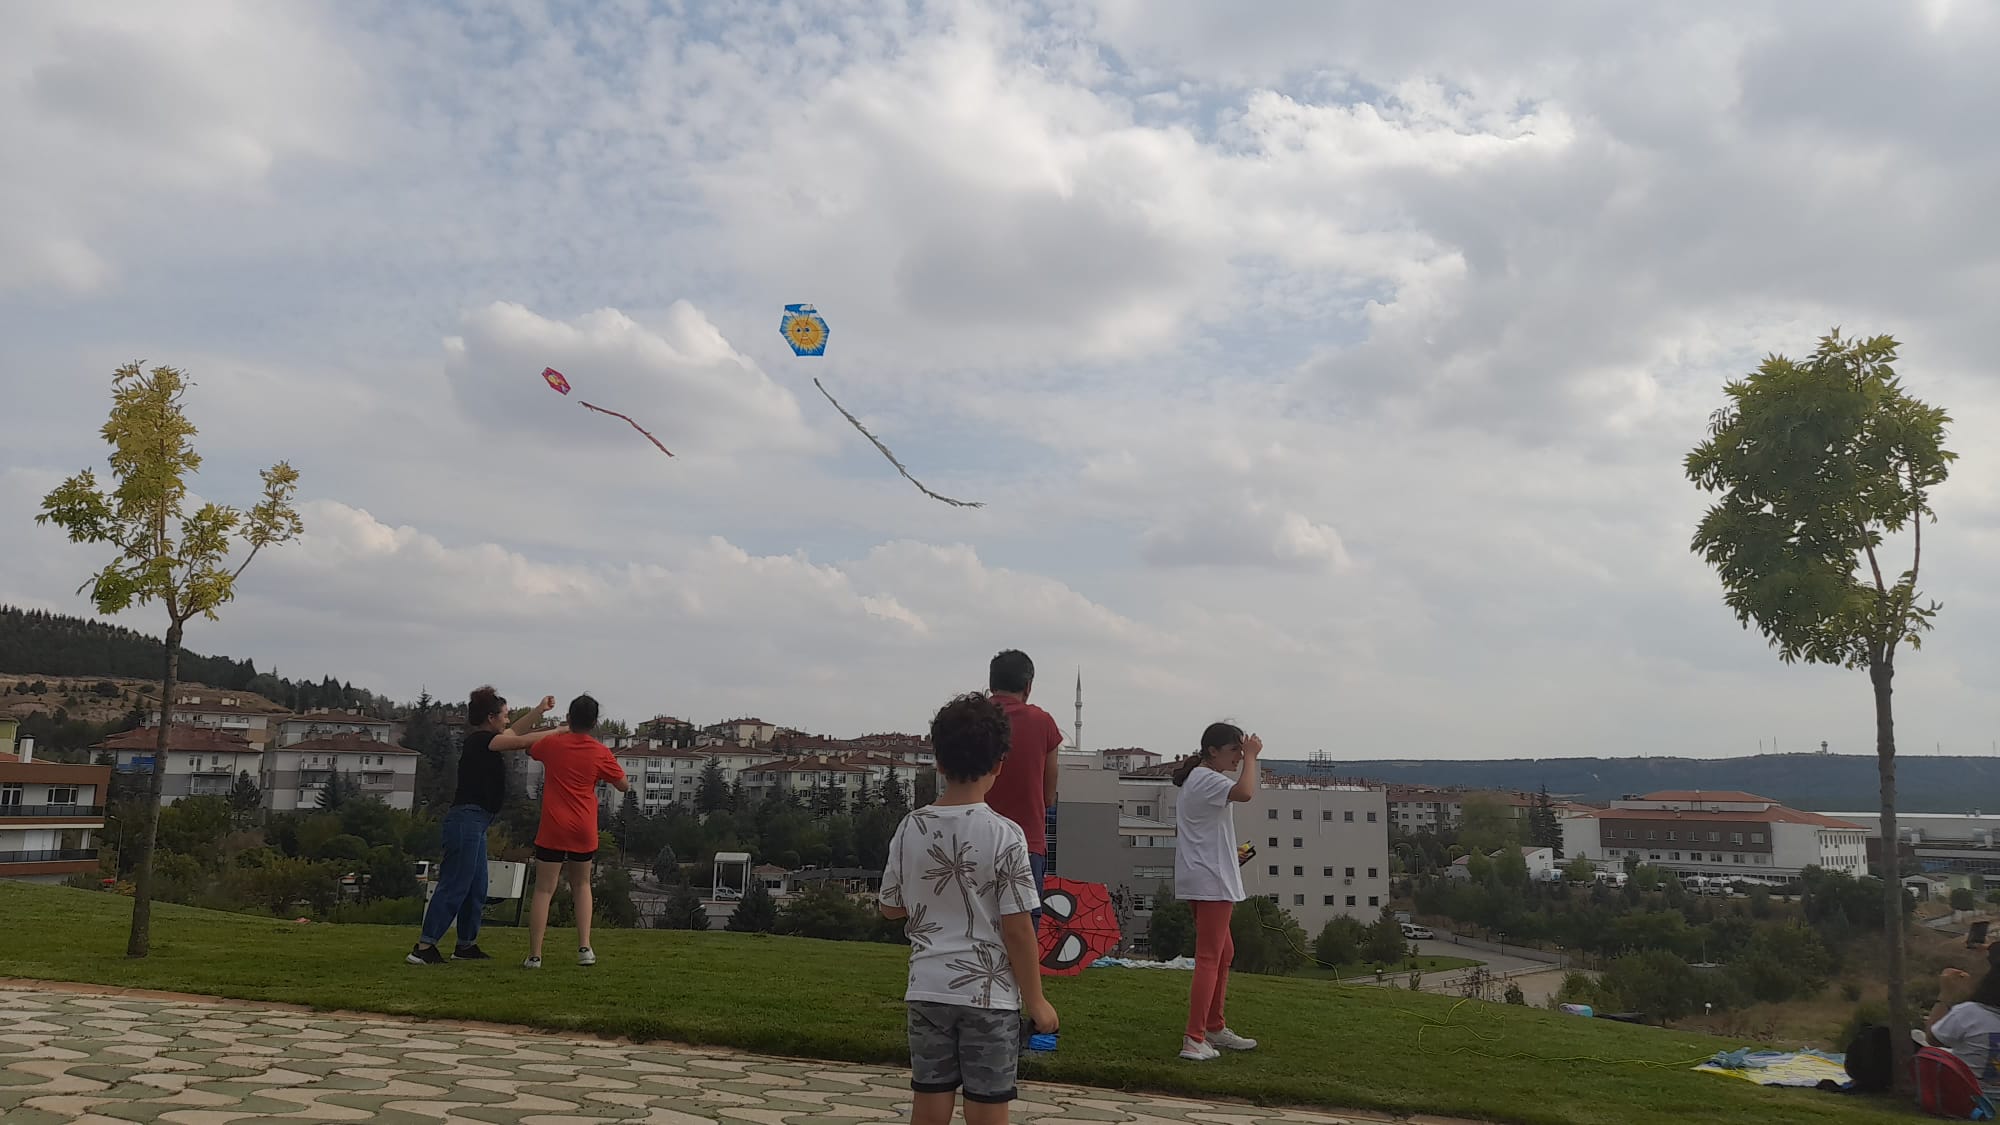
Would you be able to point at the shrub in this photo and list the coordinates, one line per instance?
(1515, 995)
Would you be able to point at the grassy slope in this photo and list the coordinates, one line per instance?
(1324, 1044)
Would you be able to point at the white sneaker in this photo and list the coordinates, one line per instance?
(1230, 1041)
(532, 963)
(585, 957)
(1194, 1050)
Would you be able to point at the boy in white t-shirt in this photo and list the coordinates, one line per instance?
(958, 874)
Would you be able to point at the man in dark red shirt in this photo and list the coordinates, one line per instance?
(1026, 786)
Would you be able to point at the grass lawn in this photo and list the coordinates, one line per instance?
(1401, 972)
(1323, 1044)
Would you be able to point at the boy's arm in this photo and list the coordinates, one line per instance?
(1018, 932)
(890, 901)
(613, 772)
(508, 740)
(533, 715)
(1052, 765)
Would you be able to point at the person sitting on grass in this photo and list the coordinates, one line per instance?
(1966, 1021)
(959, 878)
(572, 764)
(482, 789)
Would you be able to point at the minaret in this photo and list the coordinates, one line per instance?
(1076, 734)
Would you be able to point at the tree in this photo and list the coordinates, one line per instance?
(1580, 870)
(1818, 464)
(1170, 934)
(1961, 899)
(713, 792)
(1544, 826)
(757, 913)
(826, 912)
(391, 874)
(626, 826)
(1384, 943)
(667, 865)
(1487, 823)
(244, 800)
(1340, 941)
(611, 896)
(165, 554)
(925, 790)
(1268, 939)
(683, 910)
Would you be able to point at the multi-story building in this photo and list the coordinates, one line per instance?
(248, 716)
(324, 724)
(296, 775)
(661, 776)
(50, 813)
(1415, 808)
(1322, 848)
(1126, 759)
(1939, 844)
(1722, 834)
(802, 777)
(202, 761)
(741, 732)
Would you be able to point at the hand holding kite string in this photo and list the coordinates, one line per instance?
(806, 331)
(561, 386)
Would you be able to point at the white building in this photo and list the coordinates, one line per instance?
(202, 761)
(248, 716)
(325, 724)
(1724, 834)
(296, 775)
(50, 814)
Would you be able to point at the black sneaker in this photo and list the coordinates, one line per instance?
(470, 953)
(425, 955)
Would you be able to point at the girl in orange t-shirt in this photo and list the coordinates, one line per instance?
(572, 764)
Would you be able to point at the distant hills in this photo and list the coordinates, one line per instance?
(1822, 782)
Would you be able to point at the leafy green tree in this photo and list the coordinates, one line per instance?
(341, 788)
(1580, 870)
(625, 827)
(165, 554)
(1655, 982)
(1487, 824)
(1170, 933)
(667, 865)
(713, 792)
(826, 912)
(194, 826)
(1268, 939)
(1340, 941)
(683, 910)
(611, 896)
(244, 801)
(757, 913)
(1961, 899)
(1818, 464)
(926, 789)
(391, 874)
(1384, 942)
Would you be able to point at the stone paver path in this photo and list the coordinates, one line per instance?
(76, 1056)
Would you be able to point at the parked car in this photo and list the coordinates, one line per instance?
(727, 894)
(1413, 932)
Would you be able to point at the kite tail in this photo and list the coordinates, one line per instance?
(631, 423)
(856, 423)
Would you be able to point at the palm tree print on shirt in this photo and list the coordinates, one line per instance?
(920, 929)
(988, 967)
(1012, 875)
(955, 866)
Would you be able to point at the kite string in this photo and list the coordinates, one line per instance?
(856, 423)
(631, 423)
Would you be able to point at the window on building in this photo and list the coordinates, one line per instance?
(1374, 900)
(1715, 857)
(1736, 838)
(1350, 873)
(1145, 811)
(1298, 814)
(1273, 839)
(1270, 814)
(1652, 835)
(1715, 837)
(1350, 900)
(1326, 814)
(1298, 900)
(10, 794)
(1348, 816)
(1298, 872)
(1273, 897)
(1756, 837)
(1326, 872)
(1371, 872)
(1273, 869)
(1298, 841)
(1671, 837)
(1329, 900)
(1631, 833)
(62, 794)
(1736, 859)
(1674, 856)
(1371, 818)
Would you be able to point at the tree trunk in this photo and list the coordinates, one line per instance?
(149, 816)
(1881, 673)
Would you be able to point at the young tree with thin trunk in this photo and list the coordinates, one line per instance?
(165, 554)
(1818, 463)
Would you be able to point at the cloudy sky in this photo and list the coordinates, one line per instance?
(1328, 367)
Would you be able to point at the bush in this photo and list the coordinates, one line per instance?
(683, 910)
(1268, 940)
(758, 912)
(1961, 899)
(826, 912)
(1339, 942)
(1655, 982)
(1515, 995)
(1170, 934)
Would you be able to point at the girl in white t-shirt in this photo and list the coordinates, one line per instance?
(1966, 1021)
(1207, 875)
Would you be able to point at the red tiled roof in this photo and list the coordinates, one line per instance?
(1719, 796)
(1775, 814)
(181, 736)
(347, 742)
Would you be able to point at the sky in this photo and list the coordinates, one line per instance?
(1324, 367)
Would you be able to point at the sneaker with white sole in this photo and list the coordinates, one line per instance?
(1195, 1050)
(585, 957)
(1230, 1041)
(532, 963)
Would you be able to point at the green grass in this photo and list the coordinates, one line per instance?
(1327, 1045)
(1399, 973)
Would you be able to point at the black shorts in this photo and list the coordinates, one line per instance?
(551, 855)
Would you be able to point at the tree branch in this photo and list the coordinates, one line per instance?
(238, 572)
(1869, 549)
(1916, 518)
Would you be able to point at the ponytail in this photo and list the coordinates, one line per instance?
(1217, 736)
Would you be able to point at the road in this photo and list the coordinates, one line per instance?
(1538, 979)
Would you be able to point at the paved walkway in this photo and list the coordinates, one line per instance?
(101, 1057)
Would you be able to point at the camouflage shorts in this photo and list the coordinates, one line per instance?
(953, 1045)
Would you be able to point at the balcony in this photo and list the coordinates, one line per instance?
(56, 855)
(90, 812)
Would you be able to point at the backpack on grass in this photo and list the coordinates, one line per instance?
(1947, 1087)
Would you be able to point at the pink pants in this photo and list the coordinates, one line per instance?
(1214, 949)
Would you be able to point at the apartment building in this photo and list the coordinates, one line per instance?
(1724, 834)
(250, 717)
(50, 813)
(202, 761)
(295, 776)
(802, 777)
(325, 724)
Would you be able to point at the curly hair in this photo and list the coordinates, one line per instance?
(970, 735)
(485, 704)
